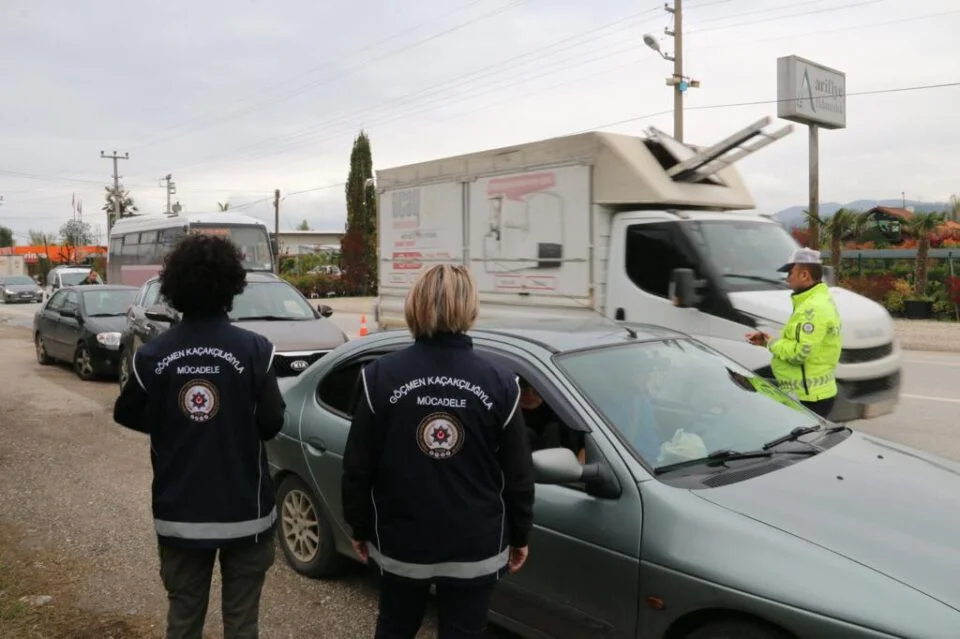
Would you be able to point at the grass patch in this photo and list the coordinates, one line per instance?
(27, 574)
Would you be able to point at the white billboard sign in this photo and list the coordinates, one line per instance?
(810, 93)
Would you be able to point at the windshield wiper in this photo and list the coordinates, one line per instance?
(725, 455)
(757, 278)
(106, 314)
(792, 436)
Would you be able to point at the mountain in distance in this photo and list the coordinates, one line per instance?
(794, 215)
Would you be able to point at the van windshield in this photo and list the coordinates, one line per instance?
(746, 253)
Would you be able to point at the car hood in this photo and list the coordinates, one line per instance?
(298, 335)
(17, 288)
(888, 507)
(865, 323)
(112, 324)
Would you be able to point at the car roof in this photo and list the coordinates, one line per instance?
(564, 335)
(109, 287)
(252, 276)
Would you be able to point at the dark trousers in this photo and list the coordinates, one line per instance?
(821, 407)
(461, 609)
(186, 575)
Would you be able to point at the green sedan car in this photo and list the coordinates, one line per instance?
(708, 505)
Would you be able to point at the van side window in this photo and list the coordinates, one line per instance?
(652, 253)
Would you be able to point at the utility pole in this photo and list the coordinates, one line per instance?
(171, 190)
(276, 230)
(678, 80)
(116, 187)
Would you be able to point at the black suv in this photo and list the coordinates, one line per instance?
(269, 305)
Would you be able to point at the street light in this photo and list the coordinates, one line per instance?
(678, 80)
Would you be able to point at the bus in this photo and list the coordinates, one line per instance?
(139, 244)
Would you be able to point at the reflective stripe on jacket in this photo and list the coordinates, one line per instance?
(806, 355)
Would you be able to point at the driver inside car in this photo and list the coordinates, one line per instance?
(544, 426)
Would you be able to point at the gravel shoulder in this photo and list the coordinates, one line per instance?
(76, 486)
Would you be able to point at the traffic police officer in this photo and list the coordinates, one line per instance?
(438, 482)
(806, 355)
(206, 393)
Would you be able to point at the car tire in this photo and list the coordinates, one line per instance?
(126, 362)
(82, 364)
(304, 532)
(43, 358)
(736, 629)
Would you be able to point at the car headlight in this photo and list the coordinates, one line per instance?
(110, 340)
(8, 291)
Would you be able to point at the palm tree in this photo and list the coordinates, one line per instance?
(860, 224)
(921, 226)
(834, 230)
(223, 206)
(955, 208)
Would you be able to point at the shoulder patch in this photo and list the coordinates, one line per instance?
(199, 401)
(807, 327)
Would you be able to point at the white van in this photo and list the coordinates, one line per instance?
(639, 229)
(62, 276)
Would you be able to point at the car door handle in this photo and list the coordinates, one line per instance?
(316, 446)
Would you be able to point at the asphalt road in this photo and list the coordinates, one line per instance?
(96, 504)
(926, 417)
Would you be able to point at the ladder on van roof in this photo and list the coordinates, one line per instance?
(705, 163)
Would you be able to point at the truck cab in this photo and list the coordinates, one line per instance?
(638, 229)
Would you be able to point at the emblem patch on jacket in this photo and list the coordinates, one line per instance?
(440, 435)
(199, 400)
(807, 327)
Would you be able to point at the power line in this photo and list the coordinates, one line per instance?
(730, 105)
(273, 147)
(221, 118)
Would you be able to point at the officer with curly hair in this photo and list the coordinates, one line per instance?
(206, 392)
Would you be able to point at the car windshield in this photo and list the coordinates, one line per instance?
(100, 303)
(747, 253)
(678, 400)
(17, 280)
(72, 278)
(270, 300)
(253, 242)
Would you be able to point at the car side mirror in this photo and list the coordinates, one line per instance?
(685, 288)
(68, 312)
(160, 313)
(325, 311)
(557, 466)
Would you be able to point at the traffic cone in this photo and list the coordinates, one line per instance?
(363, 324)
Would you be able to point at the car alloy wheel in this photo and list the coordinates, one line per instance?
(124, 369)
(42, 357)
(82, 363)
(301, 527)
(305, 534)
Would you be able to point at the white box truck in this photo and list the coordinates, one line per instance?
(639, 229)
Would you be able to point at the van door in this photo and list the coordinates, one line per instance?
(643, 255)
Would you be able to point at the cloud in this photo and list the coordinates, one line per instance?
(237, 102)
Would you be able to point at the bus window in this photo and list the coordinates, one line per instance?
(130, 244)
(252, 241)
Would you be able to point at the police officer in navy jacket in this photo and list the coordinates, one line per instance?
(207, 394)
(438, 481)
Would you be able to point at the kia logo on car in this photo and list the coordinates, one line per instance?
(298, 365)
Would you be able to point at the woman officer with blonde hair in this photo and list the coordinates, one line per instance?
(438, 481)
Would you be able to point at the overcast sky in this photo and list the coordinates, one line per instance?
(238, 98)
